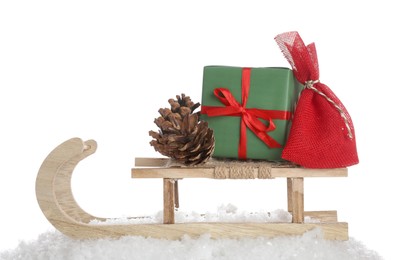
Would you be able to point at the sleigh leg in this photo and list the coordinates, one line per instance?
(168, 199)
(295, 199)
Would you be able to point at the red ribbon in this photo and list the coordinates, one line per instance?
(249, 116)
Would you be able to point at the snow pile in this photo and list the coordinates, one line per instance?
(311, 245)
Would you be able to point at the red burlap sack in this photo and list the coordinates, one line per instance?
(322, 134)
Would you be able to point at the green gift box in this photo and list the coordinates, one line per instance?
(249, 110)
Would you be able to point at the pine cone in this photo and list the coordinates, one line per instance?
(182, 135)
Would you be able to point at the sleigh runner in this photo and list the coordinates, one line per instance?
(55, 198)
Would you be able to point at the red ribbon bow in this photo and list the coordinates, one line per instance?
(249, 116)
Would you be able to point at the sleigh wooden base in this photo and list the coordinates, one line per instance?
(55, 198)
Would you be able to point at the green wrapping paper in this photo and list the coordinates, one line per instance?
(270, 89)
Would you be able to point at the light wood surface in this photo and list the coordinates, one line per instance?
(150, 162)
(289, 194)
(204, 172)
(176, 197)
(55, 198)
(296, 199)
(53, 183)
(324, 216)
(332, 231)
(168, 198)
(279, 169)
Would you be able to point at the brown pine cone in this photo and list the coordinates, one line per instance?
(182, 135)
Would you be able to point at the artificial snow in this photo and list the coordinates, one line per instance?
(311, 245)
(225, 213)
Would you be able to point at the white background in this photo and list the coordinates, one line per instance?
(101, 70)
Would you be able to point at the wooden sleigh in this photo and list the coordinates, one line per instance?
(55, 198)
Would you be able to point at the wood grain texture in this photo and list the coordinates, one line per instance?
(168, 199)
(204, 172)
(55, 198)
(150, 162)
(332, 231)
(176, 195)
(53, 183)
(324, 216)
(280, 169)
(296, 193)
(289, 194)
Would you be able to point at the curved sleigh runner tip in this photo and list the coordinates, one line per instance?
(55, 198)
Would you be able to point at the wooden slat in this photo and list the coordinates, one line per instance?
(168, 201)
(303, 172)
(176, 196)
(150, 162)
(328, 216)
(173, 173)
(296, 191)
(289, 195)
(279, 169)
(199, 172)
(331, 231)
